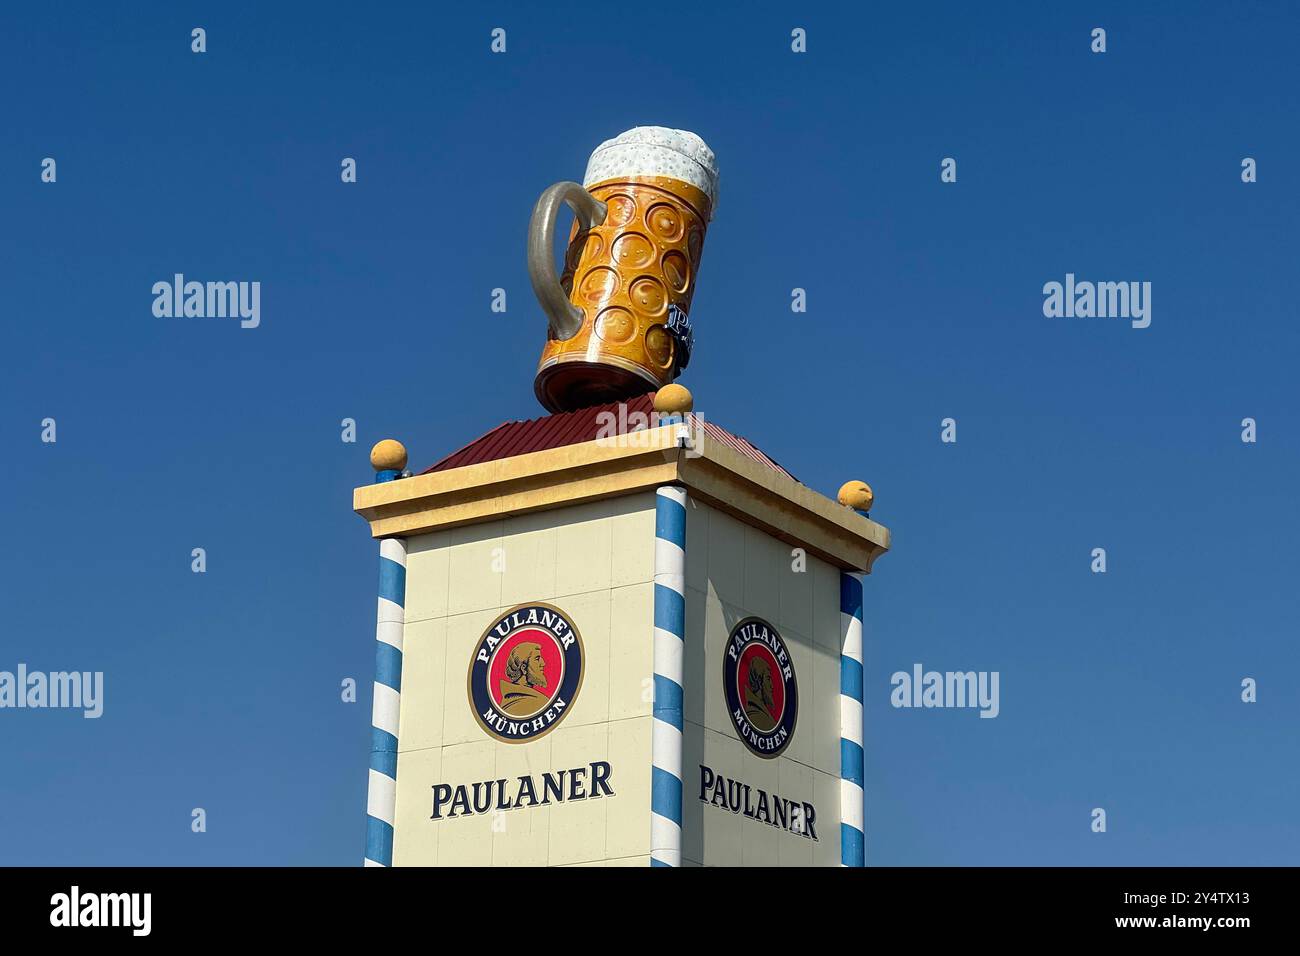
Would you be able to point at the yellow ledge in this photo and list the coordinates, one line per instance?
(712, 472)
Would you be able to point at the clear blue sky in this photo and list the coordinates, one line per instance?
(924, 301)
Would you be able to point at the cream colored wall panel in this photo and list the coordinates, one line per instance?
(417, 771)
(473, 583)
(590, 614)
(826, 797)
(519, 760)
(692, 810)
(521, 837)
(424, 677)
(719, 618)
(631, 652)
(726, 557)
(719, 831)
(632, 540)
(584, 542)
(824, 711)
(528, 553)
(796, 597)
(694, 689)
(759, 842)
(464, 840)
(718, 836)
(463, 632)
(629, 861)
(792, 602)
(826, 605)
(697, 544)
(794, 780)
(578, 827)
(438, 716)
(767, 561)
(628, 814)
(426, 576)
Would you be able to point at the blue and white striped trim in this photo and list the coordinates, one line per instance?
(669, 647)
(852, 795)
(382, 792)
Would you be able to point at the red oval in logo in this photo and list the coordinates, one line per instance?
(758, 682)
(526, 672)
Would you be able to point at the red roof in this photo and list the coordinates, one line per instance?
(571, 428)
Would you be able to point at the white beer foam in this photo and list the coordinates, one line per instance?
(656, 151)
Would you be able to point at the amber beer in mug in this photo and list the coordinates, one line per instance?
(619, 314)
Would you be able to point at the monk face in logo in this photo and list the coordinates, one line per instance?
(760, 702)
(760, 682)
(525, 665)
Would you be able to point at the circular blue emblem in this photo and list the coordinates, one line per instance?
(525, 673)
(759, 686)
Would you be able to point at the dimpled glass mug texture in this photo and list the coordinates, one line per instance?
(630, 272)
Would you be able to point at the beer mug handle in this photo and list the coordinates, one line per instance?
(564, 317)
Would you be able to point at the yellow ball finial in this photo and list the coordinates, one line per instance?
(388, 455)
(674, 399)
(856, 495)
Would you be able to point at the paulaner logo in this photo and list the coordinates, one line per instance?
(526, 791)
(759, 687)
(526, 672)
(70, 689)
(1105, 300)
(794, 816)
(102, 909)
(214, 300)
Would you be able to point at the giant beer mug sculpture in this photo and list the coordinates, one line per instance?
(619, 315)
